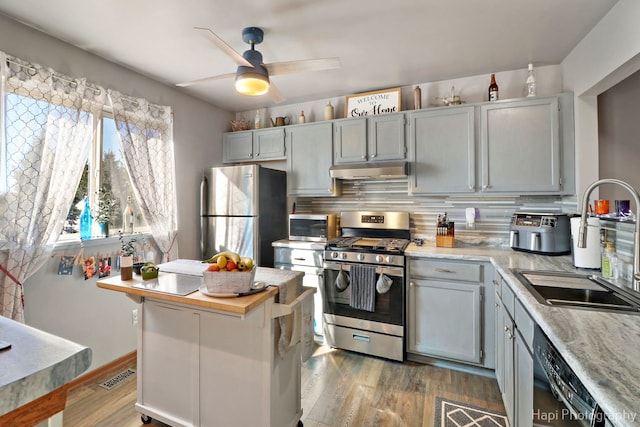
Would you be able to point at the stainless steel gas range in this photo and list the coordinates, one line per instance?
(364, 286)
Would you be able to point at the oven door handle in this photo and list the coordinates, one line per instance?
(388, 271)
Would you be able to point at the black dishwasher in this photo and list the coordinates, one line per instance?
(580, 409)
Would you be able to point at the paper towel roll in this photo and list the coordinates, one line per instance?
(588, 257)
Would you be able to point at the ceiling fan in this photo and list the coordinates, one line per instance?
(252, 74)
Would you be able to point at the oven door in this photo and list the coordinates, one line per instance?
(389, 307)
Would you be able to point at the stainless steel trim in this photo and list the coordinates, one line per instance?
(365, 325)
(392, 220)
(370, 170)
(389, 271)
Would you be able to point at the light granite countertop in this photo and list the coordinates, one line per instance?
(36, 364)
(602, 348)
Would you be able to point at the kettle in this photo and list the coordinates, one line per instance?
(280, 121)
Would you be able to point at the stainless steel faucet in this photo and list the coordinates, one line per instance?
(582, 235)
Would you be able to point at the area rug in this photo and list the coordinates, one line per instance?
(449, 413)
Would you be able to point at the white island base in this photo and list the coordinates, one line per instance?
(206, 366)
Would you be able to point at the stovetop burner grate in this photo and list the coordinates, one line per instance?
(391, 245)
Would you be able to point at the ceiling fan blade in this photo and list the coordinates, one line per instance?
(275, 94)
(289, 67)
(222, 45)
(206, 79)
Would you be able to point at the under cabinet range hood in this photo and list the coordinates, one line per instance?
(378, 170)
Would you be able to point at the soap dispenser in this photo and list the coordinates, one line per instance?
(609, 261)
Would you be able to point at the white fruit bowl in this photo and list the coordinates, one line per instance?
(229, 281)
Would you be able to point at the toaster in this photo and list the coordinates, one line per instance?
(540, 233)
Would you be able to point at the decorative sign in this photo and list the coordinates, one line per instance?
(373, 103)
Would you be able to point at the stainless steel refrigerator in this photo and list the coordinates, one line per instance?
(243, 209)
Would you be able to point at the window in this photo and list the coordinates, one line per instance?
(106, 183)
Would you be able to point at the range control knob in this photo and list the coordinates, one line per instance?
(360, 257)
(379, 258)
(389, 259)
(334, 254)
(343, 255)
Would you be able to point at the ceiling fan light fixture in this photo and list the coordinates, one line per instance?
(252, 81)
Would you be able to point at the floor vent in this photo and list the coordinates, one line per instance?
(109, 384)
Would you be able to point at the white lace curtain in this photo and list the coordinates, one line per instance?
(47, 125)
(146, 137)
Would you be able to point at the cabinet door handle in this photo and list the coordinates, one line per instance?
(443, 270)
(471, 188)
(484, 187)
(497, 304)
(495, 282)
(364, 157)
(300, 259)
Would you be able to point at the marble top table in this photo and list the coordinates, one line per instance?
(37, 364)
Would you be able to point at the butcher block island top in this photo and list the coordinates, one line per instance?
(238, 305)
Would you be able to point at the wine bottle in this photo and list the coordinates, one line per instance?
(531, 82)
(493, 89)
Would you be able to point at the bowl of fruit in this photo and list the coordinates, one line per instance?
(228, 272)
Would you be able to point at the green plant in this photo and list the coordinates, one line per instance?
(108, 209)
(127, 247)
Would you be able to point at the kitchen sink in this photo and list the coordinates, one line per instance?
(563, 289)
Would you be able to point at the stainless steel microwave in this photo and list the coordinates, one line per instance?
(312, 227)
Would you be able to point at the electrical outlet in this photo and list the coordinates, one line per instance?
(134, 316)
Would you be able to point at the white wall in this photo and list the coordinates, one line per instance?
(68, 306)
(606, 56)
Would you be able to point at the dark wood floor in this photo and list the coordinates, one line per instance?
(339, 388)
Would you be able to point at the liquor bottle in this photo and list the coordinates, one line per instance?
(127, 218)
(493, 89)
(531, 82)
(417, 98)
(86, 221)
(256, 123)
(301, 119)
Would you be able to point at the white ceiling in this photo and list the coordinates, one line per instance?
(380, 43)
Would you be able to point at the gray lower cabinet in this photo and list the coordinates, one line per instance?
(446, 311)
(514, 359)
(309, 150)
(365, 139)
(254, 145)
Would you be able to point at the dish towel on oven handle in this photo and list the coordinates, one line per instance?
(363, 287)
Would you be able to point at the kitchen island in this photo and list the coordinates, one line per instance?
(601, 347)
(205, 361)
(34, 373)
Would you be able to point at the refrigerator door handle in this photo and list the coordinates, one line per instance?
(204, 202)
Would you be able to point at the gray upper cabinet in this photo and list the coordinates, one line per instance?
(375, 138)
(254, 145)
(520, 146)
(350, 140)
(268, 144)
(523, 146)
(442, 150)
(309, 157)
(237, 147)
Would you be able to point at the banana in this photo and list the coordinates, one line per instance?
(248, 262)
(229, 254)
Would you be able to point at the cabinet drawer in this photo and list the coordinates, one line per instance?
(450, 270)
(307, 257)
(524, 323)
(508, 298)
